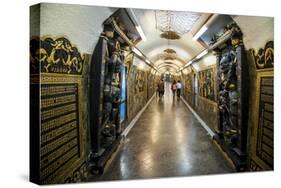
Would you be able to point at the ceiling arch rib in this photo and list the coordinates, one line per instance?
(157, 48)
(167, 68)
(177, 62)
(170, 65)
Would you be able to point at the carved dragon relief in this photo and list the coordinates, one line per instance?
(264, 58)
(55, 55)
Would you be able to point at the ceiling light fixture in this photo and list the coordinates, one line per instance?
(200, 32)
(189, 63)
(139, 29)
(136, 51)
(136, 23)
(202, 54)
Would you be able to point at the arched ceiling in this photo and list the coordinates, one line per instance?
(167, 68)
(163, 51)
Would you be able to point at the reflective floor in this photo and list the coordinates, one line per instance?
(166, 141)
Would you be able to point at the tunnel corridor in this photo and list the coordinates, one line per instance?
(95, 113)
(166, 141)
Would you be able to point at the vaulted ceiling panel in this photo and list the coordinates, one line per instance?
(155, 23)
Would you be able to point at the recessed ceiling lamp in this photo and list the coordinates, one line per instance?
(202, 54)
(137, 25)
(141, 32)
(136, 51)
(200, 32)
(189, 63)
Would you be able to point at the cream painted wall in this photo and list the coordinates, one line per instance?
(256, 30)
(81, 24)
(205, 62)
(140, 64)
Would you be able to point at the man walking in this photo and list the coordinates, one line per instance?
(179, 86)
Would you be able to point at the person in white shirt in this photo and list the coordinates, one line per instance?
(179, 86)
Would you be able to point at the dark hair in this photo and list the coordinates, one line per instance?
(108, 27)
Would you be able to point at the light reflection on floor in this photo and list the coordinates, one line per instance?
(166, 141)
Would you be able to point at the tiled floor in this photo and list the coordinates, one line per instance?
(166, 141)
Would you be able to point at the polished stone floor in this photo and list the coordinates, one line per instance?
(166, 141)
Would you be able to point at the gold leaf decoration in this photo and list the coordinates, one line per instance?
(170, 51)
(171, 35)
(55, 55)
(265, 57)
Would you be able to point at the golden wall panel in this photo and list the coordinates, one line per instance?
(63, 138)
(261, 118)
(261, 114)
(206, 83)
(59, 75)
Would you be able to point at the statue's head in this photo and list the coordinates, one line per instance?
(108, 31)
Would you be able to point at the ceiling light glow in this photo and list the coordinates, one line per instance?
(200, 32)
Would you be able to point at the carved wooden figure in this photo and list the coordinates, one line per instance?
(104, 97)
(232, 96)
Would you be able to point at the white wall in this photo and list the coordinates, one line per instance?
(205, 62)
(140, 64)
(81, 24)
(256, 30)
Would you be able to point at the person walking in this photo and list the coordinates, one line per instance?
(174, 87)
(179, 86)
(161, 88)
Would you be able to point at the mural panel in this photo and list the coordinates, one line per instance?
(206, 86)
(140, 81)
(188, 93)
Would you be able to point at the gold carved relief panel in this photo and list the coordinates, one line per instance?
(56, 67)
(261, 115)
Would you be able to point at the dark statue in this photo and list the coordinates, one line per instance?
(105, 95)
(232, 90)
(228, 95)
